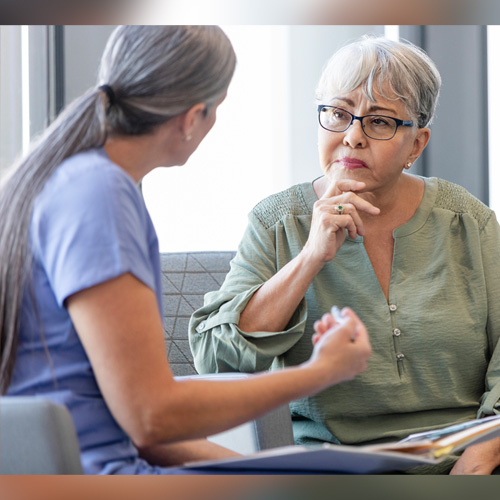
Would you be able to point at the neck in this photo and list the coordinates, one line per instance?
(128, 153)
(397, 202)
(140, 154)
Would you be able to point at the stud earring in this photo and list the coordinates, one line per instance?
(408, 165)
(187, 138)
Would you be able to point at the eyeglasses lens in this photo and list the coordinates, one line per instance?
(374, 126)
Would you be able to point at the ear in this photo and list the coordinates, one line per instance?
(420, 141)
(191, 117)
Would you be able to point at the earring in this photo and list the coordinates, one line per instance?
(187, 138)
(408, 165)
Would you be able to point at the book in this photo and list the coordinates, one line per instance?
(425, 448)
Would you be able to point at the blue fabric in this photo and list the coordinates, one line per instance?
(89, 225)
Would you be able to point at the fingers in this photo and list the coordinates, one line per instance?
(360, 332)
(334, 348)
(326, 322)
(328, 214)
(352, 328)
(324, 325)
(344, 191)
(354, 201)
(343, 212)
(349, 218)
(342, 186)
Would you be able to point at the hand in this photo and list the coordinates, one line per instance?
(328, 226)
(345, 348)
(479, 459)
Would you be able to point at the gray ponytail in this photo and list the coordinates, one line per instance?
(154, 73)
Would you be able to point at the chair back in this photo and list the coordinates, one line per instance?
(37, 436)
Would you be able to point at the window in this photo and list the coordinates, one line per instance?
(264, 139)
(203, 205)
(10, 95)
(26, 87)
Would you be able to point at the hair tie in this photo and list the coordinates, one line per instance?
(110, 93)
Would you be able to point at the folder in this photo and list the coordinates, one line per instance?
(424, 448)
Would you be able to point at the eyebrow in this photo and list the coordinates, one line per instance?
(372, 109)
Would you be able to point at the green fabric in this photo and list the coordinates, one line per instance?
(445, 284)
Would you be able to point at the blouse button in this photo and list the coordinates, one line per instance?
(393, 307)
(396, 332)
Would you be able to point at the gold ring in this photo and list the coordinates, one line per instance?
(340, 209)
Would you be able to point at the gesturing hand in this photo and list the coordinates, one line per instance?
(328, 226)
(344, 348)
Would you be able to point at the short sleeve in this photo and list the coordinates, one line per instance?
(89, 226)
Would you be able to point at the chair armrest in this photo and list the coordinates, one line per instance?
(37, 436)
(272, 430)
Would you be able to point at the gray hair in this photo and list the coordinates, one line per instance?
(396, 70)
(159, 72)
(150, 74)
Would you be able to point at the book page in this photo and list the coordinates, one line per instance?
(447, 440)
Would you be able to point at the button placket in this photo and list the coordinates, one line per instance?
(396, 335)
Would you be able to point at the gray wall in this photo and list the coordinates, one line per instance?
(458, 148)
(82, 52)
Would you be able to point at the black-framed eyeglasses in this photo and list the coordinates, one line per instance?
(379, 127)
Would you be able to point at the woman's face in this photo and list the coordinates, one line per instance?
(352, 154)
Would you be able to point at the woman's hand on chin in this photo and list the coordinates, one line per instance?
(334, 213)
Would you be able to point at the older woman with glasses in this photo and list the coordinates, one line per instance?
(416, 257)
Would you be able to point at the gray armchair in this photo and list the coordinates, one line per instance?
(187, 277)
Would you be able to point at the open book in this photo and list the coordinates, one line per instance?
(416, 449)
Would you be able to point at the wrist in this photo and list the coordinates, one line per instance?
(318, 374)
(308, 260)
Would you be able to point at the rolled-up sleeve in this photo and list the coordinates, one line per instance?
(490, 240)
(217, 343)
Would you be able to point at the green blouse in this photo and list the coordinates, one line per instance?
(434, 361)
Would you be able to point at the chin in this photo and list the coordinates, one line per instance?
(345, 173)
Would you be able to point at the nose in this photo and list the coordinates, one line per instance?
(354, 135)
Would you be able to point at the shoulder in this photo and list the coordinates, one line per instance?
(91, 167)
(87, 181)
(290, 202)
(92, 196)
(454, 198)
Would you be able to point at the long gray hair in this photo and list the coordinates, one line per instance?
(398, 70)
(148, 74)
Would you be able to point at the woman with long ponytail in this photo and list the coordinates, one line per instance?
(80, 280)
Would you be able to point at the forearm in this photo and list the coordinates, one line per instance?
(168, 455)
(193, 408)
(272, 306)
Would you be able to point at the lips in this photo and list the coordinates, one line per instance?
(351, 163)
